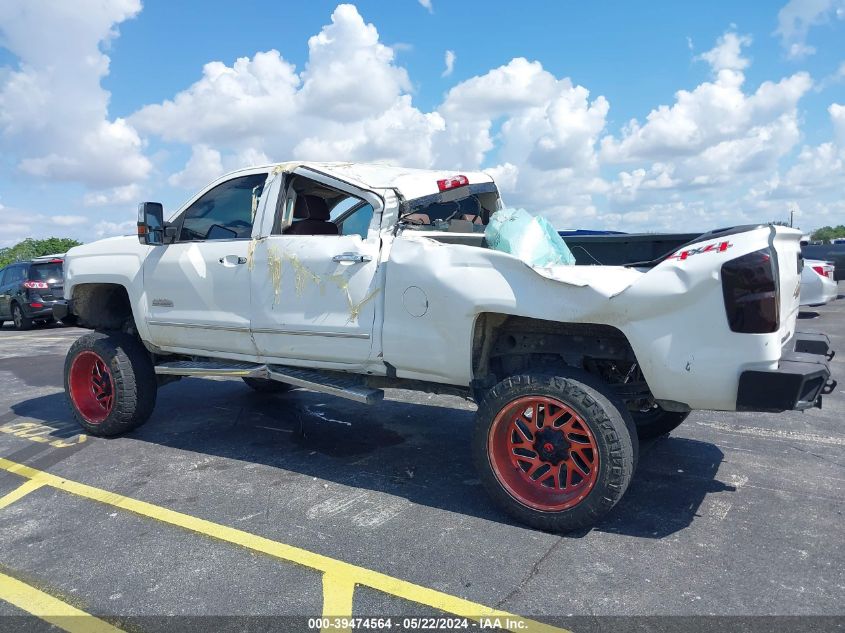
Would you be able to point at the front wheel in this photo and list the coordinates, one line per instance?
(656, 421)
(110, 383)
(554, 452)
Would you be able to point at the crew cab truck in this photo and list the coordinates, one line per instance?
(351, 278)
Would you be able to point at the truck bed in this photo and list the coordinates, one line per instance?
(617, 249)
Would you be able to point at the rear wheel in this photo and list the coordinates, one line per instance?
(110, 383)
(21, 321)
(554, 452)
(265, 385)
(656, 421)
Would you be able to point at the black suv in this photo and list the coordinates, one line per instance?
(28, 290)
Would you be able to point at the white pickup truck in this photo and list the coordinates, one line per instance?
(351, 278)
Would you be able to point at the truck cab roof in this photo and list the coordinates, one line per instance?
(409, 182)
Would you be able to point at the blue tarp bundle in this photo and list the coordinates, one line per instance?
(530, 238)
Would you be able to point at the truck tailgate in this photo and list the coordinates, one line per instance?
(787, 245)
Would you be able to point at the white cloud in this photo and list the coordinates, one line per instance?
(228, 105)
(815, 179)
(115, 196)
(506, 176)
(449, 60)
(727, 54)
(108, 228)
(545, 120)
(837, 116)
(53, 110)
(715, 133)
(261, 107)
(546, 137)
(797, 17)
(427, 5)
(69, 220)
(629, 185)
(712, 156)
(203, 166)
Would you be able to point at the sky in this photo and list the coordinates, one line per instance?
(640, 117)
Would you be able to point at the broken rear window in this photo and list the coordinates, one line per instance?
(469, 207)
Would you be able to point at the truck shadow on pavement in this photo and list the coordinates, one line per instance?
(418, 451)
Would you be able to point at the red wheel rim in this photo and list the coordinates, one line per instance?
(543, 453)
(91, 387)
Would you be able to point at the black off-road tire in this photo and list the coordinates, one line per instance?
(608, 421)
(265, 385)
(657, 422)
(132, 377)
(21, 321)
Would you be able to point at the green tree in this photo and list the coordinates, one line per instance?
(826, 233)
(30, 248)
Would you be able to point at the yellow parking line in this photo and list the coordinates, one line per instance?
(50, 609)
(337, 597)
(21, 491)
(337, 570)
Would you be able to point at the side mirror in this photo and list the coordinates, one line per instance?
(151, 223)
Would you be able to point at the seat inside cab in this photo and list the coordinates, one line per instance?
(312, 208)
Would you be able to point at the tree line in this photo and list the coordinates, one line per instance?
(30, 248)
(827, 233)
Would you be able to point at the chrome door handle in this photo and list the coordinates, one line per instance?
(352, 257)
(232, 260)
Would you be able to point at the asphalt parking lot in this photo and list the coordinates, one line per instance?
(232, 503)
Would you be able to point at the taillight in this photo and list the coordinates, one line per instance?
(452, 183)
(35, 285)
(822, 271)
(750, 290)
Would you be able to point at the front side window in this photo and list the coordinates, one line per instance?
(225, 212)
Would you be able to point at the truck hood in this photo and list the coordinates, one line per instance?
(120, 244)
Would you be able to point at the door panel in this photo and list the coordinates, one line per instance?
(198, 291)
(306, 305)
(197, 299)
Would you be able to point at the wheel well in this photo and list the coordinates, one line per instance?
(102, 306)
(505, 345)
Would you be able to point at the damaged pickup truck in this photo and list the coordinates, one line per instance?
(350, 278)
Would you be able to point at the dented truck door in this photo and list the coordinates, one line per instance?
(315, 296)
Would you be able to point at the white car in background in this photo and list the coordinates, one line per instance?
(818, 285)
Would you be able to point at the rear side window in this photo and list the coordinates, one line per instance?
(225, 212)
(49, 271)
(15, 274)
